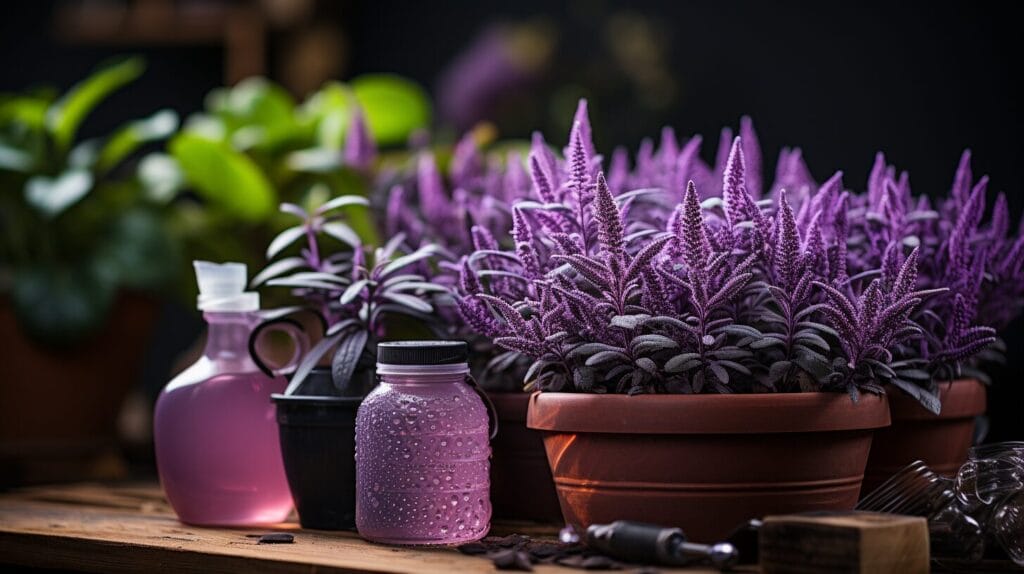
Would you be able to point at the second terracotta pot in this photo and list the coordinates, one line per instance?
(941, 440)
(705, 463)
(521, 484)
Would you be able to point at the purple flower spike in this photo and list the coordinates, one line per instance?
(787, 249)
(609, 224)
(693, 236)
(360, 150)
(751, 156)
(581, 125)
(523, 238)
(433, 198)
(734, 185)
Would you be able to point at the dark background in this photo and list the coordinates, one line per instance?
(918, 81)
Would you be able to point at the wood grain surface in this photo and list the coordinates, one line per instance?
(130, 528)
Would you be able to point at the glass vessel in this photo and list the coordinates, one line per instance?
(422, 449)
(215, 431)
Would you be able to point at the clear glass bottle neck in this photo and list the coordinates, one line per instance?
(228, 334)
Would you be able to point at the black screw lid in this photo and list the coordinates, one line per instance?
(422, 352)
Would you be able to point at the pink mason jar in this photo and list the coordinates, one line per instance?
(423, 448)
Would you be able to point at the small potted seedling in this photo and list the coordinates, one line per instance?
(362, 295)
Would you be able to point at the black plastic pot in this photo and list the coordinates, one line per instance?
(318, 443)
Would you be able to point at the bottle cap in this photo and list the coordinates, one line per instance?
(222, 287)
(422, 353)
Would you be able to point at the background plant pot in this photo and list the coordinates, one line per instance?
(521, 483)
(318, 446)
(59, 407)
(704, 463)
(941, 440)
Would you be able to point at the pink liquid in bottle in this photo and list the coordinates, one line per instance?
(215, 431)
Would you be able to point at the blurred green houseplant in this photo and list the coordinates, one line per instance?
(254, 146)
(79, 223)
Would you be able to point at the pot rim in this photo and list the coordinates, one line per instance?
(706, 414)
(314, 400)
(961, 399)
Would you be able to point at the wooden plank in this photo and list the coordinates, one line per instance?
(854, 542)
(94, 528)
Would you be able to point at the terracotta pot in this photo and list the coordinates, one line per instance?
(941, 440)
(521, 483)
(58, 408)
(705, 463)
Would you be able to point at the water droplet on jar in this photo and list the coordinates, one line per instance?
(436, 481)
(455, 500)
(444, 443)
(465, 498)
(458, 443)
(444, 529)
(448, 478)
(396, 421)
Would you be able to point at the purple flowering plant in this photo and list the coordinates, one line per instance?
(461, 201)
(676, 276)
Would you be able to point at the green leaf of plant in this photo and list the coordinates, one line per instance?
(767, 342)
(329, 109)
(310, 361)
(60, 305)
(14, 159)
(654, 341)
(410, 301)
(394, 106)
(160, 176)
(137, 251)
(342, 232)
(284, 239)
(345, 360)
(353, 291)
(628, 321)
(277, 268)
(604, 357)
(27, 109)
(342, 201)
(922, 396)
(808, 338)
(65, 115)
(682, 362)
(226, 178)
(591, 348)
(128, 138)
(778, 370)
(51, 196)
(256, 112)
(647, 365)
(720, 373)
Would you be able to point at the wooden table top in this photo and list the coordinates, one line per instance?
(130, 528)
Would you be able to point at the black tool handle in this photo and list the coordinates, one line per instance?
(638, 542)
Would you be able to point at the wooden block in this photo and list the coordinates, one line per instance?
(853, 542)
